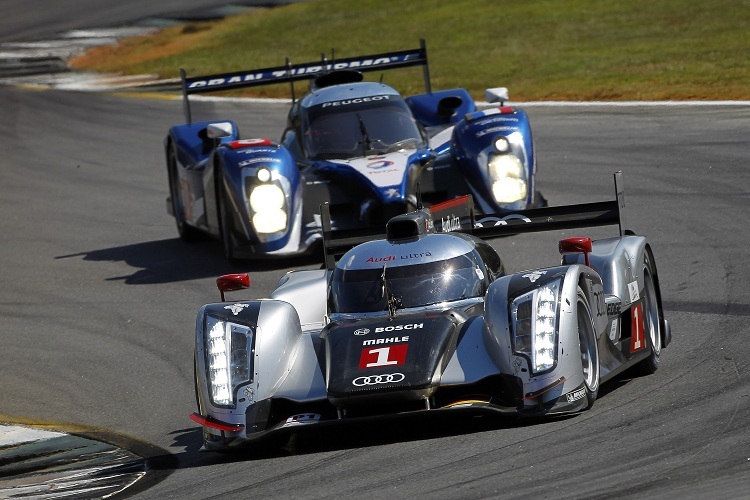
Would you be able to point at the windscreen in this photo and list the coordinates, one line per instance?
(359, 127)
(367, 290)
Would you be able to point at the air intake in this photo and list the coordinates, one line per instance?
(409, 225)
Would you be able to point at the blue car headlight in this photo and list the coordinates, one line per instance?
(228, 350)
(534, 317)
(268, 202)
(507, 178)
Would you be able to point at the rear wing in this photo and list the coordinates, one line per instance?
(290, 73)
(458, 216)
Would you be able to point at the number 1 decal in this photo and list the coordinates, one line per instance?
(383, 356)
(637, 342)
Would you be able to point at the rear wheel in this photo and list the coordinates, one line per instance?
(588, 347)
(651, 321)
(187, 233)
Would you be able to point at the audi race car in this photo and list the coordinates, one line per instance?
(429, 321)
(357, 145)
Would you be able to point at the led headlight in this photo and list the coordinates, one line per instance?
(534, 317)
(507, 178)
(228, 358)
(267, 202)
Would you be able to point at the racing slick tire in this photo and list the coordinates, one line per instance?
(187, 233)
(588, 347)
(651, 319)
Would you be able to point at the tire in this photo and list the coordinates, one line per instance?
(187, 233)
(588, 348)
(651, 319)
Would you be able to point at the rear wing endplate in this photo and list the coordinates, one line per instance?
(290, 73)
(458, 216)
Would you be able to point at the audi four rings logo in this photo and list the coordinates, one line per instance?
(361, 331)
(389, 378)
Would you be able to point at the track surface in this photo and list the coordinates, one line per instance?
(98, 300)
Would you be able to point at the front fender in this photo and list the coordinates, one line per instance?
(541, 390)
(474, 143)
(245, 165)
(281, 358)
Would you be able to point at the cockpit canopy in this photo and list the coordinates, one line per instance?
(369, 119)
(427, 270)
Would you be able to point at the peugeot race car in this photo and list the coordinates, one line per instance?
(357, 145)
(425, 320)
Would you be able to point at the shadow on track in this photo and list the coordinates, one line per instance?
(169, 261)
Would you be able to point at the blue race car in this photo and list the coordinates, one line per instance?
(357, 145)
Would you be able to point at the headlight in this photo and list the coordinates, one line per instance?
(228, 358)
(507, 178)
(267, 201)
(534, 317)
(502, 144)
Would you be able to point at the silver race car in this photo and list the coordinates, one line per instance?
(427, 319)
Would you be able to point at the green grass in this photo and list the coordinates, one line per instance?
(539, 49)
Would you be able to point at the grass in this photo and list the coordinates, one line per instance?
(539, 49)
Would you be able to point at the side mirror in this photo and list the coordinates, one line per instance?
(219, 130)
(498, 94)
(576, 245)
(232, 282)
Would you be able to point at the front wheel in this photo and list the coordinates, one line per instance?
(651, 319)
(588, 347)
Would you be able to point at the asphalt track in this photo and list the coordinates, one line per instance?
(98, 300)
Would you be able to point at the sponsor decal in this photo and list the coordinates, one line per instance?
(281, 73)
(390, 258)
(361, 331)
(533, 276)
(378, 164)
(479, 273)
(450, 223)
(637, 342)
(358, 100)
(378, 172)
(237, 308)
(386, 340)
(246, 143)
(392, 193)
(265, 159)
(389, 378)
(496, 221)
(613, 330)
(257, 150)
(600, 304)
(378, 357)
(613, 309)
(381, 259)
(633, 290)
(249, 394)
(302, 418)
(492, 130)
(496, 119)
(576, 395)
(395, 328)
(419, 255)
